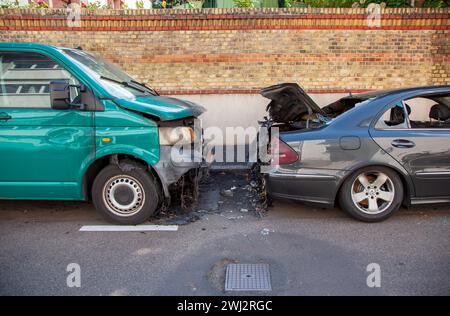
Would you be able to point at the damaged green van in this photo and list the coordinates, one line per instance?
(75, 127)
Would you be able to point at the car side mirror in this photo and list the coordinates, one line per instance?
(60, 95)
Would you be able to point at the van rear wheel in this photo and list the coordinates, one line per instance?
(127, 196)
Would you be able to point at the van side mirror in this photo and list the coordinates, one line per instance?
(61, 99)
(60, 94)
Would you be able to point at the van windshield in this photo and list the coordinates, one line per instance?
(111, 77)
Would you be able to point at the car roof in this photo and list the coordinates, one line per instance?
(379, 93)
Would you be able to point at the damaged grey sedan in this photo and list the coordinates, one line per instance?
(368, 153)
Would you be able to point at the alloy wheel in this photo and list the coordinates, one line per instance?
(372, 192)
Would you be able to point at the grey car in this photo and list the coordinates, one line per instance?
(369, 153)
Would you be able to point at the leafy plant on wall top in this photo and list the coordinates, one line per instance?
(139, 4)
(8, 4)
(436, 4)
(38, 4)
(246, 3)
(94, 5)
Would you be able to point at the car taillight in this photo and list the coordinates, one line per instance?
(282, 154)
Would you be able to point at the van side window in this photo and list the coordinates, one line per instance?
(25, 78)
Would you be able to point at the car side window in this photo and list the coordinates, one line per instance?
(429, 111)
(393, 118)
(25, 78)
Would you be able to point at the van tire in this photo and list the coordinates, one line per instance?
(126, 194)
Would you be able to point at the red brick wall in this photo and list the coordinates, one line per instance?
(241, 50)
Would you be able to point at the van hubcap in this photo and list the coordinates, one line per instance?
(373, 192)
(123, 195)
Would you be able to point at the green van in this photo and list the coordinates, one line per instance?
(75, 127)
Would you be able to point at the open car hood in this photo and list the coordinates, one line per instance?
(165, 108)
(290, 103)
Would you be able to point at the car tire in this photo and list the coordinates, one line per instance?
(126, 195)
(372, 194)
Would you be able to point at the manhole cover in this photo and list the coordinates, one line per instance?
(247, 277)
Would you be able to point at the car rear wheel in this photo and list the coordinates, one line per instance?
(128, 196)
(372, 194)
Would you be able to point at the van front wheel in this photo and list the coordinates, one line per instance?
(127, 196)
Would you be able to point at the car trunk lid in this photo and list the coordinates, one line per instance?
(289, 103)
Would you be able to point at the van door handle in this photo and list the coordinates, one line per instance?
(403, 143)
(5, 117)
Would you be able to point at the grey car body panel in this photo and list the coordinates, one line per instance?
(331, 153)
(428, 162)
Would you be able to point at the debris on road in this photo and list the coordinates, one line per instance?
(186, 189)
(183, 220)
(217, 197)
(227, 193)
(235, 217)
(266, 231)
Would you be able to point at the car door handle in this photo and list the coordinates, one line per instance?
(403, 143)
(5, 117)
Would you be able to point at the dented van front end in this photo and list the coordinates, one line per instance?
(167, 138)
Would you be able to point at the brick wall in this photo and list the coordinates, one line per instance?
(239, 50)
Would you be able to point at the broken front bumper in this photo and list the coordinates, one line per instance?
(171, 167)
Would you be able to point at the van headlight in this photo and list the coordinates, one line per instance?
(176, 135)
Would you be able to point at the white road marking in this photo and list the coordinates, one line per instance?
(123, 228)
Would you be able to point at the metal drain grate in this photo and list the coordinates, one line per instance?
(248, 277)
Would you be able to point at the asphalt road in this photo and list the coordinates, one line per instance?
(310, 251)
